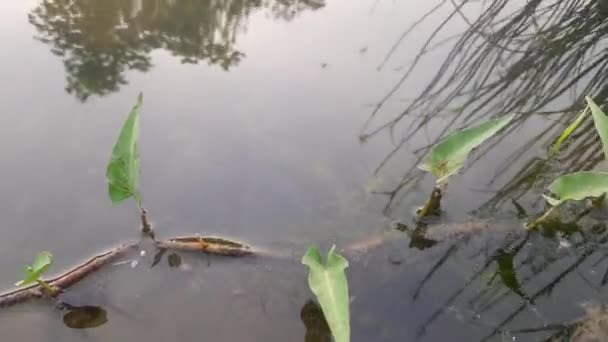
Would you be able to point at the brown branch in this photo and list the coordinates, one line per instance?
(65, 280)
(208, 245)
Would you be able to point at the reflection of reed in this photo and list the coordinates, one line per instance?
(514, 57)
(543, 291)
(535, 57)
(584, 153)
(515, 247)
(447, 254)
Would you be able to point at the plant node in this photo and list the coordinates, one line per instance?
(146, 227)
(433, 204)
(542, 219)
(48, 289)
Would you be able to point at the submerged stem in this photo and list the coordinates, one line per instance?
(52, 292)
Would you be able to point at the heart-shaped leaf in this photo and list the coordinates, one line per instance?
(123, 168)
(578, 186)
(449, 155)
(328, 282)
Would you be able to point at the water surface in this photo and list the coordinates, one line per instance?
(251, 126)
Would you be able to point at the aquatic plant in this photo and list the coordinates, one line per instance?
(568, 132)
(601, 123)
(448, 156)
(33, 272)
(123, 168)
(123, 183)
(578, 185)
(328, 282)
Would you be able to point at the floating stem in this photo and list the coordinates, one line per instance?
(146, 227)
(433, 204)
(542, 219)
(52, 292)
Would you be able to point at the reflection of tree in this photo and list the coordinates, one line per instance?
(288, 9)
(100, 40)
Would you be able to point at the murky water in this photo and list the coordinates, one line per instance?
(252, 126)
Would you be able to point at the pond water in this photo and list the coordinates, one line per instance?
(260, 123)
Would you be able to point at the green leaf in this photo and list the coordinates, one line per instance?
(123, 168)
(601, 123)
(578, 186)
(568, 131)
(328, 282)
(41, 264)
(448, 156)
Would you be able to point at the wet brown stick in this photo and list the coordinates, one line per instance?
(208, 245)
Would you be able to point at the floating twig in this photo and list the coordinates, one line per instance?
(208, 245)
